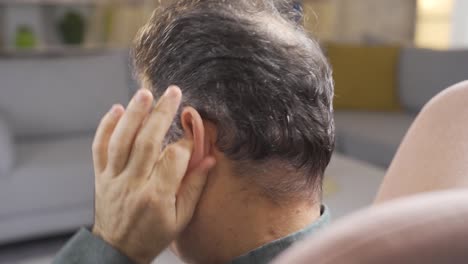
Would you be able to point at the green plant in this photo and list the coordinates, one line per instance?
(72, 28)
(25, 38)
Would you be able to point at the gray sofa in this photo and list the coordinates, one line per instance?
(49, 110)
(422, 73)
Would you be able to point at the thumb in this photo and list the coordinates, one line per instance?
(191, 189)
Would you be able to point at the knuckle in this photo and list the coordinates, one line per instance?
(192, 190)
(109, 172)
(162, 113)
(97, 147)
(154, 203)
(144, 145)
(146, 201)
(137, 109)
(172, 152)
(115, 151)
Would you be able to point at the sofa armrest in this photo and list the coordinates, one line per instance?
(7, 147)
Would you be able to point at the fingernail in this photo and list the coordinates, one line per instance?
(172, 92)
(116, 110)
(211, 163)
(143, 96)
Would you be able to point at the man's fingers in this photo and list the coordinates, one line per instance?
(190, 190)
(122, 139)
(103, 135)
(172, 166)
(149, 141)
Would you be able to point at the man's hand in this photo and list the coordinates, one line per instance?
(144, 198)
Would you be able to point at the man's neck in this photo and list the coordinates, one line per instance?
(234, 217)
(254, 221)
(264, 226)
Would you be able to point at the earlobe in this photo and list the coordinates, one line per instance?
(194, 130)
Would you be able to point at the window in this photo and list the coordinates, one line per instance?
(434, 23)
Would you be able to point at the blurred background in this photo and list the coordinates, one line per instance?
(63, 63)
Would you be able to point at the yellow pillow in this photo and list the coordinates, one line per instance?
(365, 77)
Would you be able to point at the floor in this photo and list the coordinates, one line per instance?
(349, 185)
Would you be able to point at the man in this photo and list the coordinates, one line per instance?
(240, 180)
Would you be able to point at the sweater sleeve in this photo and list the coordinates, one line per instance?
(85, 248)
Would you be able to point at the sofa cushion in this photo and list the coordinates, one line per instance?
(371, 136)
(7, 149)
(59, 95)
(50, 175)
(424, 73)
(365, 77)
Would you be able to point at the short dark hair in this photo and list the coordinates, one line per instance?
(253, 71)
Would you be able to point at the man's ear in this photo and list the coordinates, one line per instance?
(194, 130)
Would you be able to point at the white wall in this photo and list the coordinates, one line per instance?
(460, 24)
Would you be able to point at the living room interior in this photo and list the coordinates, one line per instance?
(64, 63)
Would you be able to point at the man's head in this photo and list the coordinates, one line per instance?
(259, 93)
